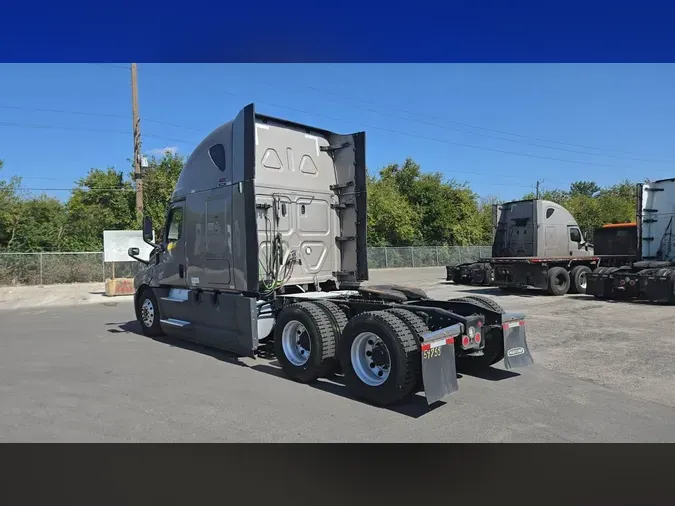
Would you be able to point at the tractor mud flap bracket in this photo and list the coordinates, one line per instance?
(439, 371)
(516, 352)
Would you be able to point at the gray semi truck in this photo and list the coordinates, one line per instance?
(264, 246)
(645, 250)
(537, 244)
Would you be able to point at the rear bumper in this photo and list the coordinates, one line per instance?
(625, 284)
(631, 285)
(655, 288)
(438, 355)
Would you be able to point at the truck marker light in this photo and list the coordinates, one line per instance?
(477, 338)
(480, 324)
(465, 341)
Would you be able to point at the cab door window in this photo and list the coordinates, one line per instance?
(174, 225)
(575, 234)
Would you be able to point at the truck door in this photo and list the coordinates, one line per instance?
(550, 246)
(574, 240)
(172, 264)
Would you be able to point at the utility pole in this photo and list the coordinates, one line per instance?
(537, 192)
(137, 141)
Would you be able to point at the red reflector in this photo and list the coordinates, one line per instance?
(465, 341)
(450, 340)
(477, 337)
(426, 347)
(521, 323)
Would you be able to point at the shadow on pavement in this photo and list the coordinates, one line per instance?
(497, 292)
(489, 374)
(413, 407)
(619, 300)
(134, 327)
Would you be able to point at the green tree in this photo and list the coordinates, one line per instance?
(585, 188)
(447, 210)
(159, 180)
(104, 200)
(42, 226)
(392, 221)
(10, 210)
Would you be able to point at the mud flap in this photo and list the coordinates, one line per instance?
(439, 372)
(516, 352)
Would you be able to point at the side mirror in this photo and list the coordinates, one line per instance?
(147, 229)
(134, 252)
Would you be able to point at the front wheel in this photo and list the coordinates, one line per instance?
(148, 314)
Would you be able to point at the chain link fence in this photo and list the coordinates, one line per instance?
(89, 267)
(424, 256)
(56, 268)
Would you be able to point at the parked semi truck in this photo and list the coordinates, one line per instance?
(537, 244)
(648, 272)
(265, 242)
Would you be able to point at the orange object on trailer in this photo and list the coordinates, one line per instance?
(619, 225)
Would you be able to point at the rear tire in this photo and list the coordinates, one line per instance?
(558, 281)
(305, 340)
(339, 319)
(485, 302)
(380, 342)
(578, 279)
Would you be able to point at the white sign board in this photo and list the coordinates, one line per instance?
(117, 242)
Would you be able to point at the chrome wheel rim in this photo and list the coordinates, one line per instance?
(582, 280)
(148, 313)
(370, 359)
(295, 343)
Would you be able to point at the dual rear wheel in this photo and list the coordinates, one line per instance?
(377, 351)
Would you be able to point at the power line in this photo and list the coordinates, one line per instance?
(86, 189)
(94, 130)
(98, 114)
(477, 127)
(445, 141)
(631, 156)
(110, 66)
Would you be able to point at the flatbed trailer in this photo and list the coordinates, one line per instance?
(557, 275)
(537, 244)
(264, 246)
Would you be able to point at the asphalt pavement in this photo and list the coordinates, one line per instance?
(85, 373)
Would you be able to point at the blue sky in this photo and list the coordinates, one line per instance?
(497, 127)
